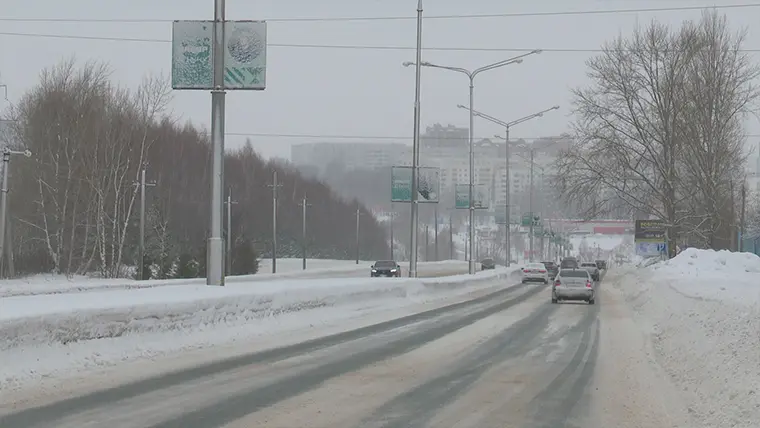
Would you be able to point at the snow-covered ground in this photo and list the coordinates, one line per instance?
(50, 335)
(701, 310)
(286, 268)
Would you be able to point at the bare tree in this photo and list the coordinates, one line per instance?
(718, 93)
(643, 132)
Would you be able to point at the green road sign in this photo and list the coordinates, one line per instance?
(526, 220)
(244, 55)
(428, 184)
(462, 197)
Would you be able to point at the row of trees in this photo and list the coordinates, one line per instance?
(74, 204)
(660, 130)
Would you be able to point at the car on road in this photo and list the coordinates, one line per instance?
(601, 264)
(553, 268)
(569, 263)
(387, 268)
(535, 272)
(486, 264)
(592, 270)
(573, 284)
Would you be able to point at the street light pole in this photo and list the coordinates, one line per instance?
(451, 239)
(4, 198)
(215, 248)
(435, 230)
(507, 126)
(228, 254)
(471, 76)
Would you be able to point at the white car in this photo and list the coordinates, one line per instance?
(535, 272)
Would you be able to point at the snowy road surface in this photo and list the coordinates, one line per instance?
(507, 358)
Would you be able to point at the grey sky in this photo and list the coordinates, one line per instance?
(354, 92)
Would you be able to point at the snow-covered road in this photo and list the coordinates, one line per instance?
(498, 356)
(674, 344)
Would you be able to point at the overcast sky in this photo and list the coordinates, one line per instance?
(324, 92)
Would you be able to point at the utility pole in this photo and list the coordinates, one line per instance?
(303, 205)
(532, 215)
(4, 199)
(435, 228)
(215, 248)
(141, 248)
(415, 149)
(228, 255)
(427, 242)
(741, 219)
(274, 187)
(451, 239)
(358, 213)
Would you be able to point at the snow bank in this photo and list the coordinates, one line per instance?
(702, 309)
(287, 268)
(44, 333)
(65, 318)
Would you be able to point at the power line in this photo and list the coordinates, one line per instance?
(325, 46)
(405, 18)
(389, 137)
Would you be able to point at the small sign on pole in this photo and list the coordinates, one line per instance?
(428, 184)
(245, 45)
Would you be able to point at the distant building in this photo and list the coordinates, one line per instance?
(351, 156)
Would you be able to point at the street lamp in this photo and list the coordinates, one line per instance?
(471, 76)
(507, 126)
(414, 214)
(4, 198)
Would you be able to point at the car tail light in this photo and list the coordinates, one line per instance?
(542, 271)
(526, 270)
(557, 283)
(588, 284)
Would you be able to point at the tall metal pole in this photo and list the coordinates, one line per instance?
(215, 251)
(228, 253)
(472, 178)
(358, 213)
(4, 202)
(508, 203)
(274, 187)
(436, 233)
(530, 205)
(415, 147)
(451, 239)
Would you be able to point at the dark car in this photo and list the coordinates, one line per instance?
(487, 264)
(552, 268)
(592, 270)
(569, 263)
(601, 264)
(385, 268)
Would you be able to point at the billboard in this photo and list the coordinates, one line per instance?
(428, 184)
(650, 238)
(480, 197)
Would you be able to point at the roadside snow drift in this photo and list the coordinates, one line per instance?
(702, 309)
(122, 324)
(286, 269)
